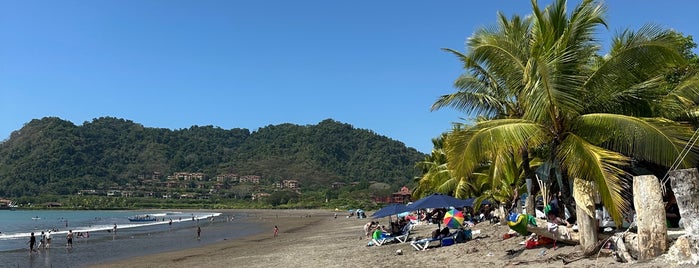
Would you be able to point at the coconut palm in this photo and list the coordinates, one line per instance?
(576, 109)
(436, 177)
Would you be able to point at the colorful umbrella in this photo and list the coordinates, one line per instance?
(454, 219)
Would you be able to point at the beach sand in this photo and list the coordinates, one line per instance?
(314, 238)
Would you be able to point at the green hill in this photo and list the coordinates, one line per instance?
(51, 156)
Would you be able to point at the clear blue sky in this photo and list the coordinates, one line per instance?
(247, 64)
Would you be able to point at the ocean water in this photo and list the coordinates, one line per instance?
(100, 244)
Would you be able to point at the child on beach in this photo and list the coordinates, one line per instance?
(198, 232)
(276, 230)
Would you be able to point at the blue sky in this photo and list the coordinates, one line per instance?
(376, 65)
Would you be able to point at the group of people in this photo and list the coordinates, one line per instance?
(44, 241)
(373, 229)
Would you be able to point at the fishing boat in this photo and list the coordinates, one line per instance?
(142, 218)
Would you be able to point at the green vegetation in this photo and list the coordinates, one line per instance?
(52, 160)
(550, 105)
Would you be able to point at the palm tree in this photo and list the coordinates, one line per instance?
(436, 177)
(577, 110)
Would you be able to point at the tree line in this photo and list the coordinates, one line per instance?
(51, 156)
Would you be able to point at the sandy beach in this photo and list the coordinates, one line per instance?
(314, 238)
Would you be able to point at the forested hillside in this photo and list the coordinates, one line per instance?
(54, 156)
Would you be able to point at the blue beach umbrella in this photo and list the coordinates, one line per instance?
(390, 210)
(439, 201)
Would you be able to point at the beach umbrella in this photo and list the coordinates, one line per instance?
(454, 219)
(390, 210)
(438, 201)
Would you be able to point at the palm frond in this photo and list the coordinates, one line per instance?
(655, 140)
(592, 163)
(468, 148)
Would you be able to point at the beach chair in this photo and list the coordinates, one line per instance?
(401, 238)
(425, 243)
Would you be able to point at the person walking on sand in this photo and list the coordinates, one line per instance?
(276, 231)
(32, 242)
(69, 238)
(198, 232)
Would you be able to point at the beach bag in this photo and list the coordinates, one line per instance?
(447, 241)
(461, 236)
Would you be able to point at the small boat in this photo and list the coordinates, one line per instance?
(36, 218)
(142, 218)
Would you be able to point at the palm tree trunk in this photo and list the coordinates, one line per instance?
(585, 207)
(529, 178)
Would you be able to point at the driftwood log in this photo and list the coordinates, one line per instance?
(561, 234)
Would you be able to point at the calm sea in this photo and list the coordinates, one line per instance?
(100, 244)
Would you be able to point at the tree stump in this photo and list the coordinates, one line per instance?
(685, 185)
(587, 224)
(650, 211)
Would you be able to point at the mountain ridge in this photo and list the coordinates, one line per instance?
(54, 156)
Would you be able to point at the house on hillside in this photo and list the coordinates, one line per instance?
(229, 177)
(401, 197)
(250, 178)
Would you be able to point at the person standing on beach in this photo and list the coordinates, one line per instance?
(42, 241)
(48, 239)
(115, 228)
(198, 232)
(32, 241)
(276, 231)
(69, 237)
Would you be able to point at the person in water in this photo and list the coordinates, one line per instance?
(48, 239)
(69, 238)
(32, 242)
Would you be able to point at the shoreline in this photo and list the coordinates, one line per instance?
(314, 238)
(228, 252)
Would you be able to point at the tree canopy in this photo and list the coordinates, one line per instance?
(54, 156)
